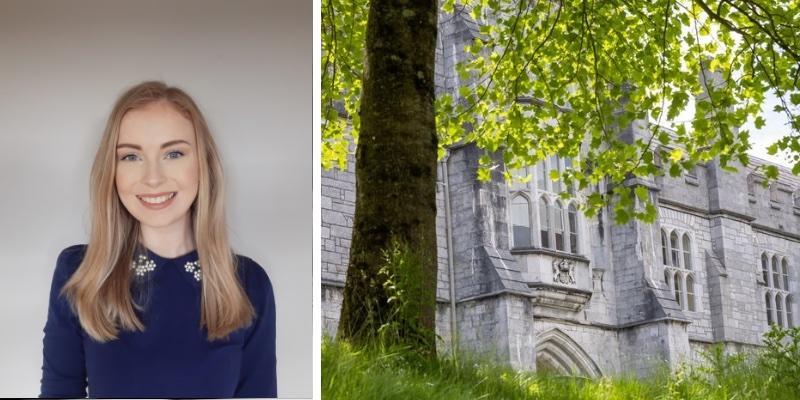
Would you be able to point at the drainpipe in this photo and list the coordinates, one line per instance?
(449, 237)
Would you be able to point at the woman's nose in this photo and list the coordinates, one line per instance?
(154, 176)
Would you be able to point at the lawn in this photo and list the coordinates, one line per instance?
(396, 372)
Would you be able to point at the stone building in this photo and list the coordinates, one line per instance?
(527, 280)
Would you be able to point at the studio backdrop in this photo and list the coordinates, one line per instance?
(247, 63)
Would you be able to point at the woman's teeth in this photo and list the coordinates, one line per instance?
(157, 200)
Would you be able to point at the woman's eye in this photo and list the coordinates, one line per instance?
(128, 157)
(174, 154)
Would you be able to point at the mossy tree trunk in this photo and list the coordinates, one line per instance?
(395, 170)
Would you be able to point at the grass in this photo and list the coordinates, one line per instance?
(394, 372)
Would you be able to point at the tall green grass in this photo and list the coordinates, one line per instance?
(395, 372)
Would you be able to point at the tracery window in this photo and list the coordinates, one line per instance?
(676, 252)
(687, 252)
(544, 222)
(785, 274)
(776, 276)
(539, 218)
(778, 300)
(521, 221)
(676, 255)
(573, 228)
(558, 221)
(769, 308)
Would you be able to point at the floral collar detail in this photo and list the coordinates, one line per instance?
(142, 264)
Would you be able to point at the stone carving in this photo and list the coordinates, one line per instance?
(564, 271)
(597, 279)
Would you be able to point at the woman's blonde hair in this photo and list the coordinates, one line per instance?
(99, 291)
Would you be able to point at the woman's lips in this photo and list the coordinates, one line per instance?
(157, 201)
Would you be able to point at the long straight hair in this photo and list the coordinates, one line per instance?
(99, 290)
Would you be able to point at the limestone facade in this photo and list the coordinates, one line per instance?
(537, 285)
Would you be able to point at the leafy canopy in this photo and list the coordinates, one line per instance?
(561, 77)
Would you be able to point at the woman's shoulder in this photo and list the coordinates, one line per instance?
(69, 259)
(254, 276)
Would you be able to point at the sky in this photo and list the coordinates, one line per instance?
(776, 127)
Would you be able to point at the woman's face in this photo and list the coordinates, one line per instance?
(157, 165)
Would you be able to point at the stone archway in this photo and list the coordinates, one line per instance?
(557, 352)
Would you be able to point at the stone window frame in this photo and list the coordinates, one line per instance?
(534, 195)
(685, 295)
(752, 181)
(528, 208)
(777, 296)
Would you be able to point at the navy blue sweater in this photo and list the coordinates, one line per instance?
(172, 356)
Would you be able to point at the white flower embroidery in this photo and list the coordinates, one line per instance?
(143, 265)
(194, 268)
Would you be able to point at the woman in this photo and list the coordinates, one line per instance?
(157, 305)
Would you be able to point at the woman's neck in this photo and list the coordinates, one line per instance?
(169, 241)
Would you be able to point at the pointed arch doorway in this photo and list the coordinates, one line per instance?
(557, 353)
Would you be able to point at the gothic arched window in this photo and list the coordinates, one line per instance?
(769, 308)
(664, 248)
(779, 309)
(765, 268)
(678, 291)
(558, 225)
(521, 221)
(776, 276)
(572, 212)
(673, 242)
(785, 274)
(687, 251)
(544, 222)
(690, 292)
(789, 319)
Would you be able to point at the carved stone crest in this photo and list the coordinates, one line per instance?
(564, 271)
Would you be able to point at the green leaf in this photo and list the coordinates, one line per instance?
(641, 193)
(771, 172)
(676, 155)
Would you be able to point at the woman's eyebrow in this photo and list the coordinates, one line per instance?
(167, 144)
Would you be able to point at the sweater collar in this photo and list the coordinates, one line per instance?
(188, 257)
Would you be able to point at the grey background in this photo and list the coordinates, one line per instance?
(62, 65)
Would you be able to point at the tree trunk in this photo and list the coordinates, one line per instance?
(395, 173)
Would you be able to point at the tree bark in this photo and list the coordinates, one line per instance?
(395, 168)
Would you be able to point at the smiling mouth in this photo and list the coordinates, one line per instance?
(157, 199)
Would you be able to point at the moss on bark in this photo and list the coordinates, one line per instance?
(395, 166)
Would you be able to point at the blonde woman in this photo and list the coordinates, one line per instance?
(157, 304)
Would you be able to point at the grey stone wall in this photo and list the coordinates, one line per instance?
(497, 328)
(646, 348)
